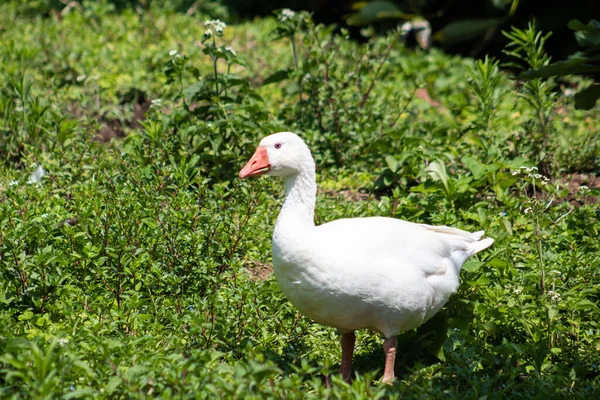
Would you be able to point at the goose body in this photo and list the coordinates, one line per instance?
(376, 273)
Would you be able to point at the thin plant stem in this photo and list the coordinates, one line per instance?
(538, 244)
(215, 66)
(376, 76)
(181, 90)
(296, 63)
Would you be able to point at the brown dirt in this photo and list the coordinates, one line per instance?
(114, 128)
(258, 271)
(423, 94)
(348, 194)
(110, 129)
(574, 181)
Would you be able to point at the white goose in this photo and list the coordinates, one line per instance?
(376, 273)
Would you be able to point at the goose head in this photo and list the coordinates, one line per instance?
(280, 154)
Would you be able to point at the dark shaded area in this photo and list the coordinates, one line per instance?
(112, 127)
(551, 15)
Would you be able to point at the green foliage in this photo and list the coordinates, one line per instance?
(139, 267)
(583, 62)
(527, 46)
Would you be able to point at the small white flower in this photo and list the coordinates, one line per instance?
(13, 183)
(528, 210)
(287, 14)
(517, 291)
(81, 78)
(554, 296)
(307, 77)
(45, 215)
(231, 50)
(584, 190)
(62, 341)
(173, 53)
(156, 103)
(215, 26)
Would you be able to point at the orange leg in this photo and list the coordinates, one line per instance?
(389, 348)
(348, 340)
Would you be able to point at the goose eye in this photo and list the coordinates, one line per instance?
(277, 145)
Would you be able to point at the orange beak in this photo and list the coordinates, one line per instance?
(258, 164)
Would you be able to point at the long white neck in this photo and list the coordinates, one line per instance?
(300, 197)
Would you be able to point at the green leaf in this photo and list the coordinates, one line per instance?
(277, 76)
(113, 384)
(586, 98)
(27, 315)
(85, 392)
(576, 64)
(392, 163)
(437, 170)
(477, 169)
(585, 305)
(374, 11)
(466, 29)
(586, 35)
(191, 91)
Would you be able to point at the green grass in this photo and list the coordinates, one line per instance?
(141, 266)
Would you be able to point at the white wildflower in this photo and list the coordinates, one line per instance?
(554, 296)
(584, 190)
(528, 210)
(62, 341)
(231, 50)
(156, 103)
(13, 183)
(287, 14)
(543, 180)
(81, 78)
(44, 215)
(530, 172)
(307, 77)
(215, 27)
(173, 53)
(517, 291)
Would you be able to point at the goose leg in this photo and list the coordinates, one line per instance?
(389, 348)
(348, 340)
